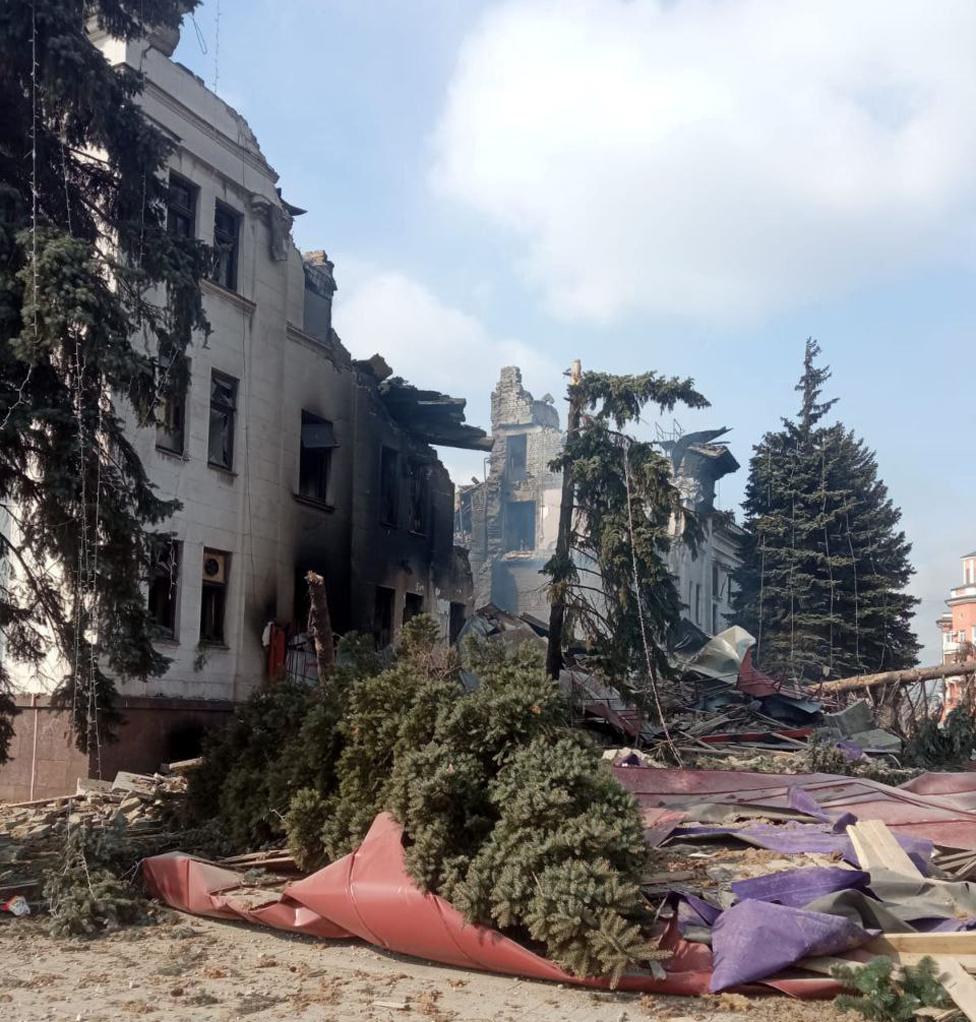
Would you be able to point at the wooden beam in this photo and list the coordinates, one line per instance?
(879, 853)
(934, 944)
(911, 676)
(959, 985)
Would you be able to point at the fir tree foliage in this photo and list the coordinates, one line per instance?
(884, 995)
(92, 286)
(825, 562)
(507, 812)
(626, 506)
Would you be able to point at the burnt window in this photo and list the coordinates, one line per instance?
(419, 507)
(223, 413)
(213, 599)
(715, 619)
(173, 377)
(389, 486)
(515, 454)
(462, 520)
(226, 245)
(520, 525)
(413, 605)
(456, 622)
(315, 459)
(383, 616)
(181, 207)
(716, 582)
(164, 588)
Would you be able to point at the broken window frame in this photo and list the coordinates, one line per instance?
(164, 588)
(226, 245)
(173, 379)
(213, 601)
(314, 464)
(520, 527)
(389, 490)
(181, 207)
(413, 606)
(223, 421)
(516, 455)
(418, 506)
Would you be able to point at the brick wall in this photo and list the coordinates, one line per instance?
(44, 762)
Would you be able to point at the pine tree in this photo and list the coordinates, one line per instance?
(92, 287)
(615, 580)
(825, 566)
(508, 813)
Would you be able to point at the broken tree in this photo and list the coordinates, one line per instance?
(621, 511)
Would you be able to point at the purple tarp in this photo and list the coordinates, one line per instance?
(788, 934)
(799, 838)
(798, 887)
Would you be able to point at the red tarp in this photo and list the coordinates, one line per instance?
(940, 807)
(369, 895)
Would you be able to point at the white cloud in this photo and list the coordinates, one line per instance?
(715, 158)
(435, 346)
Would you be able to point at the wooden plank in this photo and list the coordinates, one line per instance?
(959, 985)
(878, 851)
(140, 784)
(962, 943)
(53, 800)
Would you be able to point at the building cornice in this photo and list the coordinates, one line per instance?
(246, 306)
(254, 159)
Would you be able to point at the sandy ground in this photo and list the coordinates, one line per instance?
(201, 970)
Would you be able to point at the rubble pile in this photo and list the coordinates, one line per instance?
(723, 711)
(134, 806)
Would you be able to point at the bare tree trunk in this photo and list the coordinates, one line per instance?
(557, 609)
(907, 677)
(321, 625)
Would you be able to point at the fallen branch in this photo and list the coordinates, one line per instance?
(911, 676)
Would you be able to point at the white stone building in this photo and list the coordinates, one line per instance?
(285, 453)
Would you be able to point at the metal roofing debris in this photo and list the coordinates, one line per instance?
(946, 819)
(369, 895)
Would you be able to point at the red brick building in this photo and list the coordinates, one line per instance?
(958, 626)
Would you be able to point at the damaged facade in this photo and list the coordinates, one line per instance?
(509, 521)
(286, 454)
(704, 578)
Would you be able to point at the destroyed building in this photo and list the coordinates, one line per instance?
(704, 577)
(285, 453)
(508, 521)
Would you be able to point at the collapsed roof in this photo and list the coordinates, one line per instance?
(436, 418)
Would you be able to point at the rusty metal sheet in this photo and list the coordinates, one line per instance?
(945, 819)
(369, 895)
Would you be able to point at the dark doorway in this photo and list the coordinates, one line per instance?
(383, 616)
(457, 622)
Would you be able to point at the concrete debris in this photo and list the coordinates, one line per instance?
(851, 720)
(32, 833)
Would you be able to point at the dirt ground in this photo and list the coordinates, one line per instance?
(201, 970)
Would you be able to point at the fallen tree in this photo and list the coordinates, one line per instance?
(910, 676)
(508, 811)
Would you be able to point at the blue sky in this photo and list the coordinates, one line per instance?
(690, 186)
